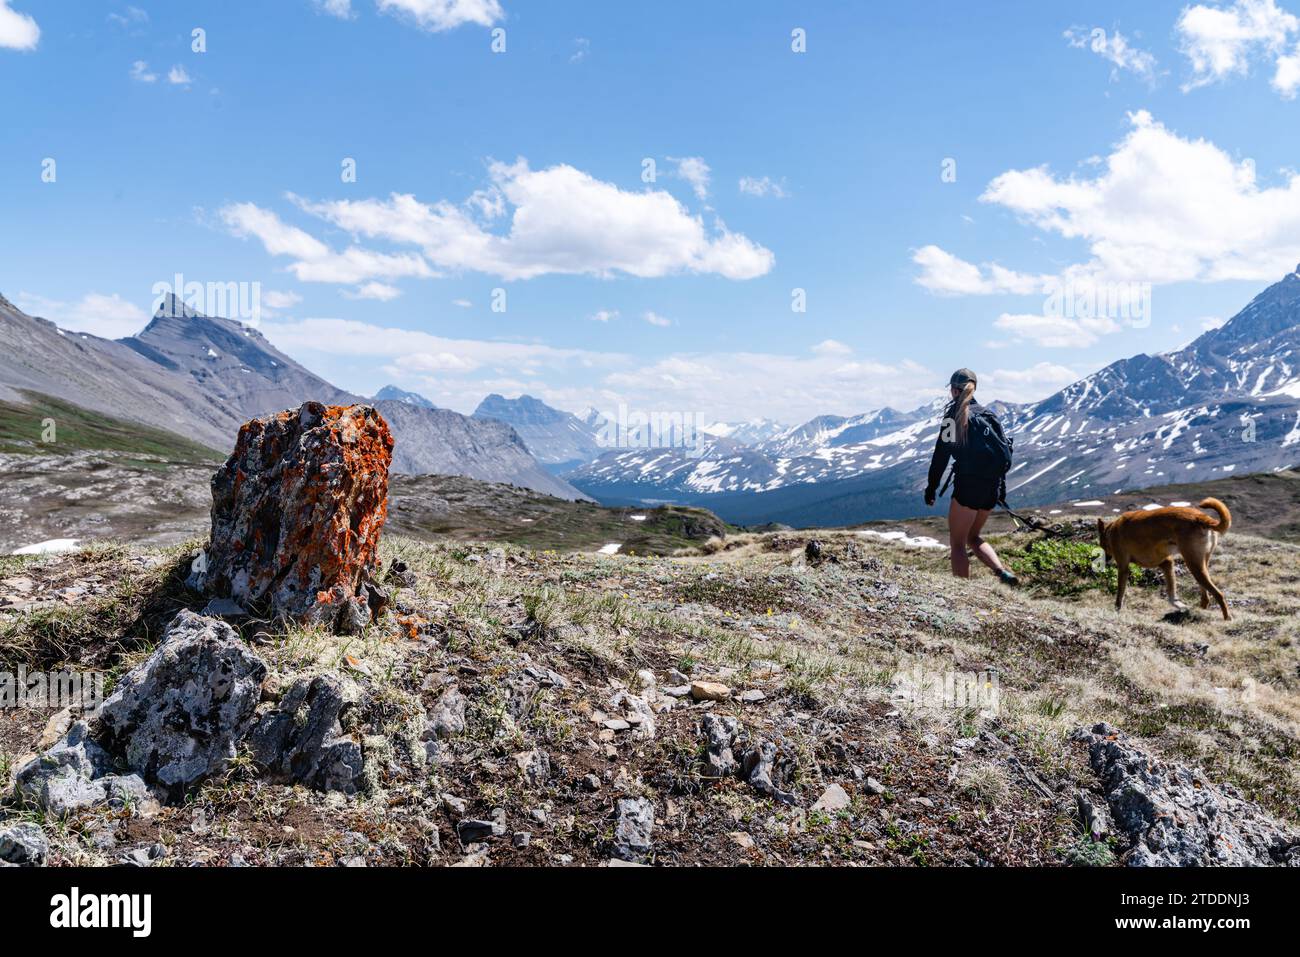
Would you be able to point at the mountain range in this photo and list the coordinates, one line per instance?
(203, 376)
(1229, 402)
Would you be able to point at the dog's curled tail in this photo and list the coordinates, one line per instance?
(1225, 517)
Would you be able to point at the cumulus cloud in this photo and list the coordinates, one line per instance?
(657, 320)
(1163, 209)
(439, 15)
(604, 315)
(561, 221)
(1052, 331)
(946, 274)
(1027, 385)
(107, 316)
(1116, 49)
(382, 292)
(831, 347)
(18, 31)
(336, 8)
(177, 76)
(1221, 42)
(695, 171)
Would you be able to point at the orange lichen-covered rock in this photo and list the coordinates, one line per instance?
(296, 514)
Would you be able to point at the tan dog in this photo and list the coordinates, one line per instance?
(1151, 538)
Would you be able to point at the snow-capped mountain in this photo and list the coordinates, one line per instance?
(204, 376)
(753, 432)
(391, 393)
(559, 440)
(1228, 403)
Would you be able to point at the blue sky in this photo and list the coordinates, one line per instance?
(1109, 149)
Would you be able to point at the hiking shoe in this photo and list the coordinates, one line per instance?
(1007, 578)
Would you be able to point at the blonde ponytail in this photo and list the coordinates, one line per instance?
(961, 414)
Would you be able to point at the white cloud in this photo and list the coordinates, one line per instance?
(695, 171)
(1027, 385)
(582, 46)
(765, 186)
(563, 221)
(949, 275)
(18, 31)
(107, 316)
(1287, 78)
(657, 320)
(456, 373)
(440, 15)
(132, 15)
(604, 315)
(1055, 332)
(316, 262)
(462, 303)
(140, 72)
(280, 300)
(379, 291)
(177, 76)
(1212, 322)
(831, 347)
(1221, 42)
(1163, 209)
(1115, 48)
(336, 8)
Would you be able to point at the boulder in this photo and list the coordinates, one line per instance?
(177, 718)
(1173, 816)
(303, 739)
(23, 845)
(296, 514)
(76, 774)
(720, 733)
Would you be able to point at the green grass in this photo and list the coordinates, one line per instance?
(23, 429)
(1063, 568)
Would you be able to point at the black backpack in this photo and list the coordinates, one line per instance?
(988, 450)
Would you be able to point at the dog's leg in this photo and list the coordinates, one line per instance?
(1122, 562)
(1171, 589)
(1201, 573)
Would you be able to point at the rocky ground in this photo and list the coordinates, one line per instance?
(756, 702)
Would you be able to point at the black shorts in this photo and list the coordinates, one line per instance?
(976, 491)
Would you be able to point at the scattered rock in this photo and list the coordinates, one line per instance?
(224, 608)
(1174, 817)
(633, 829)
(752, 696)
(448, 716)
(55, 729)
(475, 830)
(1094, 815)
(536, 766)
(303, 741)
(709, 691)
(23, 845)
(873, 786)
(296, 514)
(720, 733)
(742, 839)
(177, 718)
(833, 799)
(765, 766)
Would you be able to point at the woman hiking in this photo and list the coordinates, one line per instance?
(972, 436)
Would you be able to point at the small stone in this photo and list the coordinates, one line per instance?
(536, 766)
(224, 608)
(454, 804)
(474, 831)
(538, 814)
(742, 839)
(616, 724)
(676, 691)
(752, 696)
(833, 799)
(924, 802)
(521, 839)
(873, 786)
(633, 829)
(591, 782)
(709, 691)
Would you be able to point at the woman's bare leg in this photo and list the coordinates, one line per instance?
(982, 549)
(960, 521)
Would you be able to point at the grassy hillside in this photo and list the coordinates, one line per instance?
(22, 431)
(816, 658)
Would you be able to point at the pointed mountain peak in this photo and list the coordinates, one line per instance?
(394, 394)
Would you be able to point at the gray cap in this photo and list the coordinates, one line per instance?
(961, 377)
